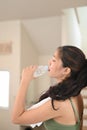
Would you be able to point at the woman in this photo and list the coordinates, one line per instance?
(64, 110)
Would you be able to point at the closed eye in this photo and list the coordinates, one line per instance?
(53, 59)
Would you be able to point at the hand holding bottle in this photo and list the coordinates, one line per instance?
(33, 71)
(28, 72)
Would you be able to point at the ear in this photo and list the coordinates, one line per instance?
(67, 71)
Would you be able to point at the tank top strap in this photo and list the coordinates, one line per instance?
(75, 111)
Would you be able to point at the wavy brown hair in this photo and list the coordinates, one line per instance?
(75, 59)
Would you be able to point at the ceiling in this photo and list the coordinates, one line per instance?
(26, 10)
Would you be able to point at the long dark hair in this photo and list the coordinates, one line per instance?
(75, 59)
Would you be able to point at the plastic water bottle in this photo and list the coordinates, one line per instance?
(40, 70)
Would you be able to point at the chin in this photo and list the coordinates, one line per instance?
(51, 75)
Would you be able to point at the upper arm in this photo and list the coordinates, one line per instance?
(39, 114)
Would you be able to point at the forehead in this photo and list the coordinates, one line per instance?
(56, 54)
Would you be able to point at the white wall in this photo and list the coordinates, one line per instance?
(83, 27)
(29, 56)
(10, 31)
(45, 32)
(71, 34)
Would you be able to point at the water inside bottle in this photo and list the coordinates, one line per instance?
(40, 70)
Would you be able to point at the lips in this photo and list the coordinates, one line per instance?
(48, 69)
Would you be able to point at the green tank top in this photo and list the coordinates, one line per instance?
(53, 125)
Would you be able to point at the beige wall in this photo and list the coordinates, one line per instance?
(29, 56)
(71, 34)
(84, 40)
(10, 31)
(44, 31)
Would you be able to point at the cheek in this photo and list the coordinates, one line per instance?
(58, 71)
(53, 69)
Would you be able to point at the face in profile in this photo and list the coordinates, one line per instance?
(56, 69)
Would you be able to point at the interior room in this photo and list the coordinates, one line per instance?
(30, 31)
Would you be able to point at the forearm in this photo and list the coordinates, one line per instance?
(19, 105)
